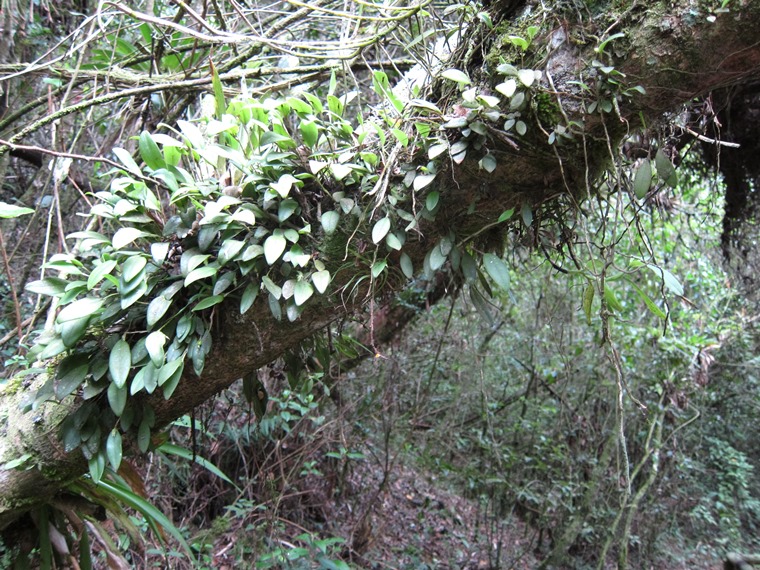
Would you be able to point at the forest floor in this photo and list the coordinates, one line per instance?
(416, 521)
(416, 524)
(412, 522)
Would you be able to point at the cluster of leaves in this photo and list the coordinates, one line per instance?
(316, 553)
(608, 87)
(222, 208)
(480, 112)
(644, 175)
(180, 248)
(476, 120)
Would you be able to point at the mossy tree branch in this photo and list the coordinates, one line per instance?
(668, 52)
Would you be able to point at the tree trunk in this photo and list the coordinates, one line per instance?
(672, 50)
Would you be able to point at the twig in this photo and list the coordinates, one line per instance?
(218, 38)
(59, 154)
(12, 333)
(7, 266)
(310, 73)
(703, 138)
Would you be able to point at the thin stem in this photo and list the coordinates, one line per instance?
(7, 266)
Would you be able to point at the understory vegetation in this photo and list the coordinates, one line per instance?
(489, 439)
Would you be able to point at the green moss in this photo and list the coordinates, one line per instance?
(547, 109)
(503, 50)
(333, 246)
(220, 526)
(12, 386)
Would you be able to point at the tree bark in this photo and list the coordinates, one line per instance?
(672, 50)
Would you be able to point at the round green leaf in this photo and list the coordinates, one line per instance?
(79, 309)
(230, 248)
(135, 294)
(132, 267)
(286, 209)
(303, 291)
(274, 246)
(469, 268)
(670, 280)
(208, 302)
(53, 348)
(249, 296)
(406, 265)
(317, 165)
(665, 169)
(309, 133)
(50, 286)
(201, 273)
(288, 288)
(126, 159)
(488, 163)
(437, 258)
(97, 465)
(154, 343)
(72, 331)
(381, 228)
(113, 449)
(392, 241)
(274, 289)
(170, 373)
(330, 221)
(437, 150)
(517, 101)
(97, 274)
(11, 211)
(431, 201)
(119, 362)
(456, 75)
(284, 185)
(526, 77)
(125, 236)
(378, 267)
(191, 259)
(642, 179)
(497, 269)
(70, 375)
(244, 215)
(422, 180)
(507, 88)
(156, 309)
(340, 171)
(117, 398)
(150, 152)
(321, 280)
(224, 282)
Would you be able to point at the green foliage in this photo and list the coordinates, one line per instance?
(168, 268)
(225, 209)
(729, 505)
(315, 553)
(11, 211)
